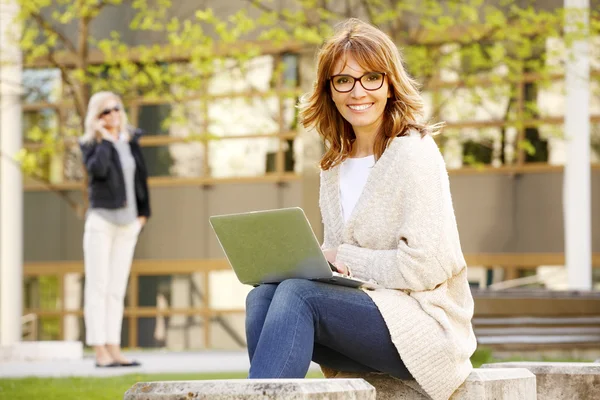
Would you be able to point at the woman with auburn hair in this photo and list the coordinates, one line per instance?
(388, 218)
(119, 208)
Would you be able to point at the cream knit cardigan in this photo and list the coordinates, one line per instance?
(403, 234)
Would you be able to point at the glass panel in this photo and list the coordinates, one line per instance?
(255, 74)
(38, 124)
(41, 293)
(494, 146)
(595, 142)
(48, 328)
(158, 160)
(187, 119)
(41, 85)
(178, 159)
(151, 118)
(290, 114)
(290, 70)
(237, 116)
(152, 292)
(73, 301)
(242, 157)
(554, 137)
(73, 163)
(474, 104)
(72, 130)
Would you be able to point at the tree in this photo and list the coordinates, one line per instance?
(494, 55)
(481, 65)
(59, 34)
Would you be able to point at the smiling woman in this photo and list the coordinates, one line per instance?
(388, 218)
(119, 208)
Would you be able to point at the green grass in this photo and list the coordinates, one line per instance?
(96, 388)
(114, 387)
(485, 355)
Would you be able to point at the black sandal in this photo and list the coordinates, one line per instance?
(109, 365)
(130, 364)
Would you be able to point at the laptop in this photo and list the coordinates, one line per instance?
(274, 245)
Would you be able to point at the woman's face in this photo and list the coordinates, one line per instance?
(362, 108)
(110, 113)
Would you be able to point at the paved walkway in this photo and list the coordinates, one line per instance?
(153, 362)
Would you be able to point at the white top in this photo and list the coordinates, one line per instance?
(354, 173)
(403, 235)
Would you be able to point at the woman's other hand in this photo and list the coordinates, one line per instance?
(342, 268)
(142, 220)
(101, 131)
(330, 255)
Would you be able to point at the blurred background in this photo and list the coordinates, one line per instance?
(215, 84)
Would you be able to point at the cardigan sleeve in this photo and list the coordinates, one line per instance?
(424, 258)
(329, 241)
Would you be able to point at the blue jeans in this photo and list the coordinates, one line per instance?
(298, 320)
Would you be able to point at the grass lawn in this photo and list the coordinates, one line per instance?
(95, 388)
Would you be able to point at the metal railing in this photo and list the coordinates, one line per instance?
(132, 310)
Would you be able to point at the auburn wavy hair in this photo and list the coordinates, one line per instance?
(374, 51)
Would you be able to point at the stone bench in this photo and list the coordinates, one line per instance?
(263, 389)
(560, 381)
(488, 384)
(481, 384)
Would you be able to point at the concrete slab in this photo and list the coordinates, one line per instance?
(153, 362)
(501, 384)
(42, 351)
(560, 381)
(263, 389)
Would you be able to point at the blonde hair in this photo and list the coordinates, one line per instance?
(374, 51)
(94, 109)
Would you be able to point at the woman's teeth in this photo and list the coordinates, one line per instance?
(361, 107)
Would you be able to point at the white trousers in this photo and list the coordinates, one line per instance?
(108, 252)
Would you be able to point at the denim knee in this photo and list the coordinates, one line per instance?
(295, 289)
(260, 293)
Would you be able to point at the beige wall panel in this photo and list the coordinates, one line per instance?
(484, 208)
(175, 230)
(538, 218)
(42, 226)
(495, 213)
(291, 194)
(72, 232)
(310, 202)
(595, 211)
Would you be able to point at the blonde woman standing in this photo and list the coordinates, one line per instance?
(388, 218)
(119, 208)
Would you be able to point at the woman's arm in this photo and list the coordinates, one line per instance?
(329, 241)
(96, 157)
(428, 251)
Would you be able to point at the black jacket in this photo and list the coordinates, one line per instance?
(106, 183)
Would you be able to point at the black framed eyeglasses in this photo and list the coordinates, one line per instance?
(345, 83)
(107, 111)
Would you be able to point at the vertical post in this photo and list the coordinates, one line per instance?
(206, 172)
(207, 311)
(61, 295)
(520, 120)
(576, 188)
(279, 155)
(11, 180)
